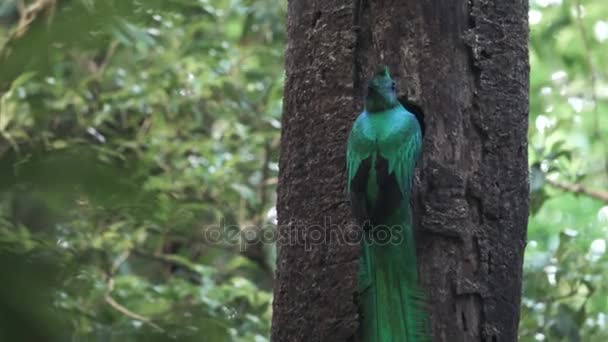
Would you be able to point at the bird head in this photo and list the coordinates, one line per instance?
(381, 92)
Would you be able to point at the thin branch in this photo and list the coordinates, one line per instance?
(98, 69)
(579, 189)
(271, 181)
(28, 13)
(119, 261)
(570, 294)
(117, 306)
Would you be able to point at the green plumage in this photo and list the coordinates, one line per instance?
(383, 147)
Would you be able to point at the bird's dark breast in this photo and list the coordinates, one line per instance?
(388, 197)
(358, 192)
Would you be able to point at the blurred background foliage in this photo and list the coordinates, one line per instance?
(566, 266)
(133, 133)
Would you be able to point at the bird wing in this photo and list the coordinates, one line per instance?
(358, 163)
(402, 160)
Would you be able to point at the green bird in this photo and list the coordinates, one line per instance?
(383, 147)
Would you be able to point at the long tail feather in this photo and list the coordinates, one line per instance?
(391, 302)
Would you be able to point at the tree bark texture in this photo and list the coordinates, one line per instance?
(465, 64)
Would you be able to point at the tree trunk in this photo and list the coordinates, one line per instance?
(465, 63)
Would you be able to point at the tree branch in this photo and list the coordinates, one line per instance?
(117, 306)
(27, 16)
(579, 189)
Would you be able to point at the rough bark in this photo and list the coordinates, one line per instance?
(465, 63)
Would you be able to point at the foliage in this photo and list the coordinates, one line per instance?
(131, 134)
(130, 131)
(566, 267)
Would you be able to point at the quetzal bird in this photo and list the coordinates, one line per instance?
(383, 147)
